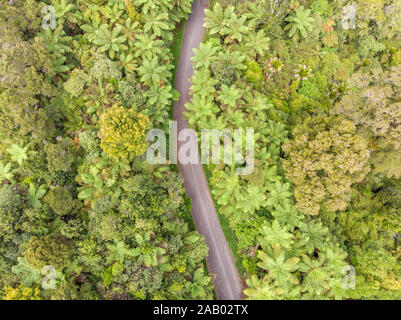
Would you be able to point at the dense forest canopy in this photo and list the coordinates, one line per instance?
(319, 81)
(83, 215)
(76, 193)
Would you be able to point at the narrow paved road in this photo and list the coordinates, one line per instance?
(220, 260)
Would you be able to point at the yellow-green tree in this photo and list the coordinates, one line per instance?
(324, 159)
(374, 106)
(21, 293)
(123, 133)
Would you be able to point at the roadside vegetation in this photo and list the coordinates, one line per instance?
(82, 215)
(319, 217)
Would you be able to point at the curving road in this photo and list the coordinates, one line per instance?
(220, 261)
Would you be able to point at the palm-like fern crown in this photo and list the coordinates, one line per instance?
(300, 22)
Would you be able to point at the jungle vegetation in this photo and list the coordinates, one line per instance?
(76, 192)
(324, 100)
(322, 94)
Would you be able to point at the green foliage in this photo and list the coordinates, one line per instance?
(258, 42)
(300, 22)
(21, 293)
(76, 83)
(292, 272)
(204, 55)
(152, 72)
(60, 200)
(35, 194)
(118, 252)
(17, 153)
(66, 291)
(76, 100)
(373, 106)
(11, 206)
(110, 40)
(253, 72)
(60, 156)
(123, 133)
(324, 160)
(28, 275)
(199, 285)
(322, 7)
(6, 173)
(157, 23)
(324, 89)
(368, 46)
(371, 227)
(50, 250)
(25, 70)
(76, 192)
(105, 69)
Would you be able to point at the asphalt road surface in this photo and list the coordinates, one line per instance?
(220, 261)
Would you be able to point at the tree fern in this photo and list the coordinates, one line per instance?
(301, 22)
